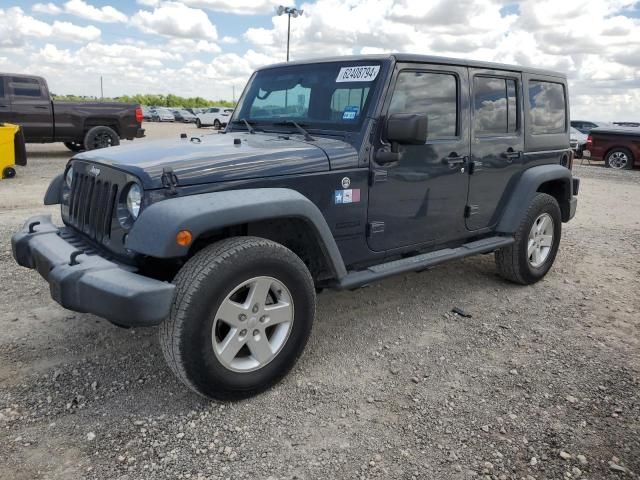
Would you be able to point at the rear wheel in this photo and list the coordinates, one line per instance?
(536, 244)
(101, 137)
(74, 146)
(241, 317)
(619, 158)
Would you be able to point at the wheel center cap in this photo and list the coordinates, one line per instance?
(253, 321)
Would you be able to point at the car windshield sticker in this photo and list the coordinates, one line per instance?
(347, 196)
(350, 113)
(362, 73)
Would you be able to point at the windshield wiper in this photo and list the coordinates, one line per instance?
(248, 124)
(306, 135)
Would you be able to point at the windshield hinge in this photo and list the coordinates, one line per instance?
(169, 180)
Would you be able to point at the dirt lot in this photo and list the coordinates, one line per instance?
(543, 382)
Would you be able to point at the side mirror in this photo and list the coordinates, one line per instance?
(402, 128)
(407, 128)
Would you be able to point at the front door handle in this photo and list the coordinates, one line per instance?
(454, 160)
(41, 107)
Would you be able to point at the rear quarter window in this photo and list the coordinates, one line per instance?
(25, 87)
(547, 107)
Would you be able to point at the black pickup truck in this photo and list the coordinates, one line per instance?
(25, 100)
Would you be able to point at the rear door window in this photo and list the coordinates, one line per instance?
(495, 106)
(547, 107)
(25, 87)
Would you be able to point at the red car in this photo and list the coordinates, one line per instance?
(619, 147)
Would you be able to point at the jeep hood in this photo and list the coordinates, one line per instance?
(216, 157)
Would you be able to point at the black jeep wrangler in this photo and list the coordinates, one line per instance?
(331, 174)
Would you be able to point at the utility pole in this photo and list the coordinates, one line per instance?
(101, 89)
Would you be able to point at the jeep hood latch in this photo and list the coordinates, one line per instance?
(169, 180)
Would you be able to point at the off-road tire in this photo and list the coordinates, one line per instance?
(74, 146)
(201, 285)
(625, 151)
(512, 261)
(101, 137)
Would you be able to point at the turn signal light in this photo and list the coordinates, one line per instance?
(184, 238)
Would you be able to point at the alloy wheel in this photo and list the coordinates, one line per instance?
(540, 240)
(252, 324)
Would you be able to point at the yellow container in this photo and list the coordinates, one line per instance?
(12, 149)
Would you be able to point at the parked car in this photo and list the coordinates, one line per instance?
(585, 127)
(183, 115)
(619, 147)
(162, 114)
(213, 116)
(396, 163)
(25, 100)
(147, 113)
(577, 141)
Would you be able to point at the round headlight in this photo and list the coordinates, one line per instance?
(68, 178)
(134, 200)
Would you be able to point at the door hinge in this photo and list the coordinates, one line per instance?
(470, 210)
(378, 176)
(169, 180)
(376, 227)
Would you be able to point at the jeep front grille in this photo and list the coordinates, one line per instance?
(91, 205)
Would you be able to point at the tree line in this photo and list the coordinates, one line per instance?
(169, 100)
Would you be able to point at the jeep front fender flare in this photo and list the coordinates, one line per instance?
(526, 188)
(154, 232)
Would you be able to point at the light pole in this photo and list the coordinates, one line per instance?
(290, 11)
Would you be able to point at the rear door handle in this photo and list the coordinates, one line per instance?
(510, 155)
(40, 107)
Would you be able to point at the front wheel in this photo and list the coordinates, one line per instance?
(619, 158)
(216, 124)
(241, 317)
(198, 123)
(536, 244)
(101, 137)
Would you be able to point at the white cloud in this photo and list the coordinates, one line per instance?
(16, 28)
(239, 7)
(106, 14)
(229, 40)
(173, 19)
(48, 8)
(74, 33)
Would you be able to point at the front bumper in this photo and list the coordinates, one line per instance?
(90, 283)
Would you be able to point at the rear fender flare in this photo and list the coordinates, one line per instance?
(527, 187)
(154, 232)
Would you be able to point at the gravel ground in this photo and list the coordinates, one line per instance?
(542, 382)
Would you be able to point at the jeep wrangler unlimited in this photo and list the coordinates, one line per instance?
(331, 174)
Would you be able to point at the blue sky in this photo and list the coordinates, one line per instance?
(210, 47)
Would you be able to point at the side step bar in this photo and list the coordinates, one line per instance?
(361, 278)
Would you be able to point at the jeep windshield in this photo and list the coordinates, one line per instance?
(318, 96)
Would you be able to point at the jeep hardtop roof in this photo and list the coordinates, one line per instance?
(415, 58)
